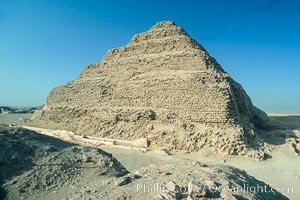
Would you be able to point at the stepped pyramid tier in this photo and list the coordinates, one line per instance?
(163, 86)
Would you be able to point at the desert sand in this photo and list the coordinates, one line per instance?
(14, 118)
(280, 170)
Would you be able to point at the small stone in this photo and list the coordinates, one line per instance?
(123, 181)
(133, 176)
(290, 141)
(197, 190)
(189, 198)
(159, 197)
(86, 158)
(171, 195)
(194, 163)
(227, 195)
(171, 186)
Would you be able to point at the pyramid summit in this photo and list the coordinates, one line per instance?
(162, 86)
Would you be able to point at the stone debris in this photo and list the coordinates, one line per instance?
(123, 181)
(197, 190)
(172, 187)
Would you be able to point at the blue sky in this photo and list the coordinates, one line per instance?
(45, 43)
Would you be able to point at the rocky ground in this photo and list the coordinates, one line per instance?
(32, 164)
(35, 166)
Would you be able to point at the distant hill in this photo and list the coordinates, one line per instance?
(19, 110)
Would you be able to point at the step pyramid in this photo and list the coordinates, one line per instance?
(163, 86)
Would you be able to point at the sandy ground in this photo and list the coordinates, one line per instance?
(13, 118)
(281, 170)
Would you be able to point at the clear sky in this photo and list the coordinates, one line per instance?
(45, 43)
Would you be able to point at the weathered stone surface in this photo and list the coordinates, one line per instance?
(163, 86)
